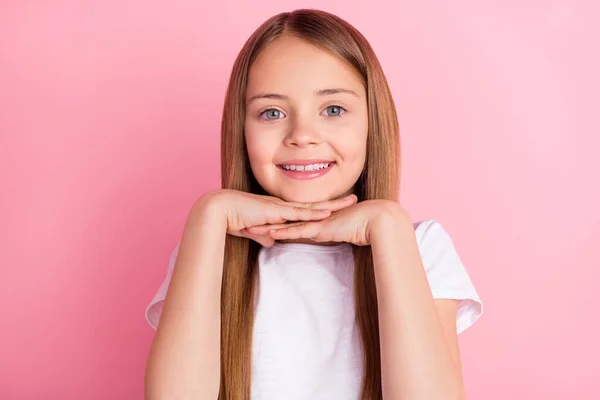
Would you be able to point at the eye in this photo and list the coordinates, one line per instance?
(271, 114)
(334, 111)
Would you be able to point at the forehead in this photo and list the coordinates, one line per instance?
(295, 66)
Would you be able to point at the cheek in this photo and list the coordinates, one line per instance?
(260, 146)
(352, 147)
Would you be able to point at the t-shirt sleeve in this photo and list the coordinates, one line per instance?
(156, 304)
(447, 276)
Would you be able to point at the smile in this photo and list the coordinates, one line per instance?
(309, 167)
(305, 171)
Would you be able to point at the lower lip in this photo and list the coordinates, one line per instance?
(304, 175)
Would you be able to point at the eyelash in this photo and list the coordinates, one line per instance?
(343, 111)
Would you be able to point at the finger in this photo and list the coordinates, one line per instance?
(338, 204)
(304, 213)
(332, 205)
(309, 230)
(263, 240)
(287, 213)
(265, 229)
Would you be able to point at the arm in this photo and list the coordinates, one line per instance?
(419, 348)
(184, 360)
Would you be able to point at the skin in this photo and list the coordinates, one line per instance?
(305, 123)
(419, 345)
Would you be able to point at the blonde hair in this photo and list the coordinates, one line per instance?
(379, 180)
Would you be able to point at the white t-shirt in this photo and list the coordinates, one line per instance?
(306, 343)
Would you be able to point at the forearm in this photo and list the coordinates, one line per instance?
(416, 362)
(184, 360)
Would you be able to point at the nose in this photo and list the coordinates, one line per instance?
(302, 134)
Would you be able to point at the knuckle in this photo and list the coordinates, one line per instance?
(300, 210)
(273, 216)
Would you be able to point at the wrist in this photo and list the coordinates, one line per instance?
(392, 220)
(209, 210)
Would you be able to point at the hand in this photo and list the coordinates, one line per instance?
(243, 210)
(352, 224)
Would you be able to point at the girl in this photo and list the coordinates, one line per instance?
(303, 278)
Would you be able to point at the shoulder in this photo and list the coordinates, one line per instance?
(437, 248)
(428, 227)
(431, 234)
(448, 278)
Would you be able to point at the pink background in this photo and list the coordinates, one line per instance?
(109, 130)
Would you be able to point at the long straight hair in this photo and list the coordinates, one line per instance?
(379, 180)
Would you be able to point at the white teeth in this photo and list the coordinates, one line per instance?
(310, 167)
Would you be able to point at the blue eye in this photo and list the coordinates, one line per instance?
(334, 111)
(272, 114)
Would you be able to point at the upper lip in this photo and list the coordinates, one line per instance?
(306, 162)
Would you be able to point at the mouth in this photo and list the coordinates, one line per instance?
(306, 169)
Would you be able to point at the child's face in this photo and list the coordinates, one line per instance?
(292, 113)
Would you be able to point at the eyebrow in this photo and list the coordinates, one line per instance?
(322, 92)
